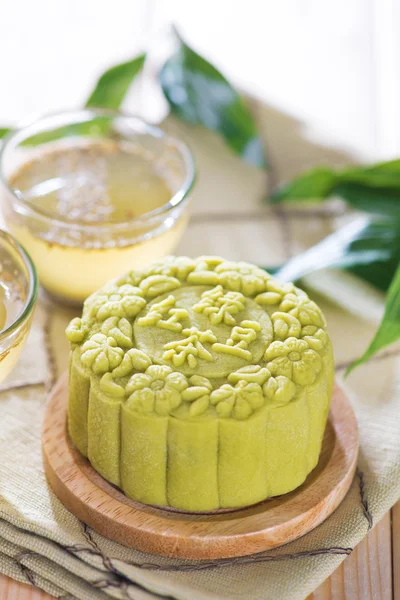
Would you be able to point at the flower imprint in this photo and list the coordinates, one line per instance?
(77, 330)
(239, 401)
(101, 354)
(242, 277)
(110, 387)
(204, 273)
(155, 285)
(304, 309)
(279, 390)
(206, 263)
(315, 337)
(285, 325)
(120, 330)
(173, 266)
(158, 390)
(198, 394)
(251, 374)
(275, 292)
(189, 349)
(294, 359)
(123, 301)
(220, 306)
(134, 360)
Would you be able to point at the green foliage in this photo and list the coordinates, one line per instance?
(389, 328)
(113, 85)
(369, 248)
(365, 242)
(373, 189)
(198, 93)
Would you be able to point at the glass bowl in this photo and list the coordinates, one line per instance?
(18, 287)
(74, 256)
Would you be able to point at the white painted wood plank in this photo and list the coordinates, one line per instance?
(258, 241)
(242, 191)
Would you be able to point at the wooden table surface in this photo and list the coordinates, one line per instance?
(371, 572)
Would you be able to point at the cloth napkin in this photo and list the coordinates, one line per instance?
(45, 545)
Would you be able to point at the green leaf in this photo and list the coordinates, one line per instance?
(4, 131)
(112, 86)
(313, 185)
(198, 93)
(363, 242)
(379, 274)
(93, 128)
(389, 328)
(389, 166)
(373, 189)
(371, 199)
(386, 174)
(109, 92)
(371, 249)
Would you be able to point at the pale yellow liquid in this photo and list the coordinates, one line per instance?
(98, 184)
(11, 304)
(3, 308)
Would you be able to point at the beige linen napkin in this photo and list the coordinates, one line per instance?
(42, 543)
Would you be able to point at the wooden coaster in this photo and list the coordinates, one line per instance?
(218, 535)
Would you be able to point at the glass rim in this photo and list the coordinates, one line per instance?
(33, 285)
(21, 132)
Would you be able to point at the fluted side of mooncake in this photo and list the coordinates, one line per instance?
(200, 384)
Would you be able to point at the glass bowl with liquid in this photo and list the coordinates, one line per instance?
(18, 293)
(92, 194)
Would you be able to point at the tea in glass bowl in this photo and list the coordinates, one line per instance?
(94, 193)
(18, 293)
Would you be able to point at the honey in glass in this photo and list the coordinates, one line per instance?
(18, 292)
(90, 207)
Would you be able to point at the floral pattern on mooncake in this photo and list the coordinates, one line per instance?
(200, 383)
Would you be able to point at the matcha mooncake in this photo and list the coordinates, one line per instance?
(200, 384)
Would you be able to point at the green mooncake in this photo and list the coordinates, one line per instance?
(200, 384)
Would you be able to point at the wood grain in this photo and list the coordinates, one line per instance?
(14, 590)
(396, 550)
(367, 573)
(203, 536)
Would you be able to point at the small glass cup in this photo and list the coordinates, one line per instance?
(75, 258)
(19, 285)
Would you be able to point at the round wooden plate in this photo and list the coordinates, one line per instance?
(203, 536)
